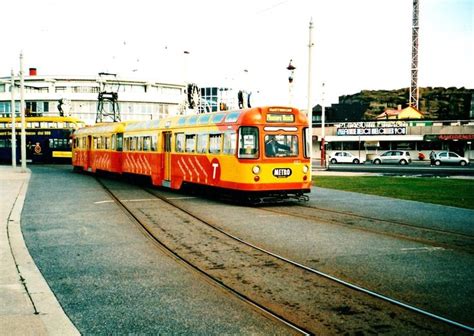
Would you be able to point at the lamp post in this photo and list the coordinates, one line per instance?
(12, 110)
(323, 120)
(309, 106)
(22, 112)
(291, 68)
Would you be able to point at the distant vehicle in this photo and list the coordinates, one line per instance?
(48, 138)
(450, 158)
(343, 157)
(393, 156)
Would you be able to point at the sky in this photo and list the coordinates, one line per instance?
(245, 44)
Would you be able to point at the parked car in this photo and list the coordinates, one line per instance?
(393, 156)
(343, 157)
(450, 158)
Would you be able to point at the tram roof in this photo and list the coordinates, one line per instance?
(209, 119)
(113, 127)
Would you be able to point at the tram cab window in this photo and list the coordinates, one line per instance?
(282, 145)
(248, 142)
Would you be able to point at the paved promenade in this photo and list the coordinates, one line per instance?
(27, 305)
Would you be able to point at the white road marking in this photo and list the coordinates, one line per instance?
(423, 249)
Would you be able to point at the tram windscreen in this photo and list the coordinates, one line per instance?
(282, 145)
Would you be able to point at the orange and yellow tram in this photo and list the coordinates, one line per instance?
(258, 153)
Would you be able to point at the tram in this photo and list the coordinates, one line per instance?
(48, 139)
(256, 153)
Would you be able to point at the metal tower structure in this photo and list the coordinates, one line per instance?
(414, 92)
(107, 98)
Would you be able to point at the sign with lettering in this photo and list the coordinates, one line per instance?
(282, 172)
(372, 128)
(280, 117)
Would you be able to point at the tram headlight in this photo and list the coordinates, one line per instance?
(256, 170)
(305, 169)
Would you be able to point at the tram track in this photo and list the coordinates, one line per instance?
(426, 235)
(230, 265)
(149, 232)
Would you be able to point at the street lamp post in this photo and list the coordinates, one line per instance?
(323, 135)
(291, 68)
(12, 111)
(309, 106)
(22, 112)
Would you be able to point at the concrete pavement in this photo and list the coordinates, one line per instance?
(27, 305)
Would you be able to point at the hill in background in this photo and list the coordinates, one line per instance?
(435, 103)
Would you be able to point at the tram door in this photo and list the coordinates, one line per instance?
(88, 151)
(166, 157)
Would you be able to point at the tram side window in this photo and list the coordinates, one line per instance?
(147, 143)
(107, 143)
(248, 142)
(215, 143)
(306, 141)
(190, 143)
(154, 143)
(119, 142)
(179, 142)
(126, 144)
(202, 143)
(230, 141)
(133, 143)
(5, 143)
(139, 143)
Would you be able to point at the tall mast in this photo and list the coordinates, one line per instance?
(414, 92)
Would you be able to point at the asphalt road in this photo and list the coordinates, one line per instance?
(110, 279)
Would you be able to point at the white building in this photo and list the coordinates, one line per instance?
(77, 96)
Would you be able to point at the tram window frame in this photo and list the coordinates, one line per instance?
(190, 143)
(133, 144)
(203, 119)
(232, 117)
(217, 118)
(154, 143)
(192, 120)
(306, 142)
(126, 144)
(281, 145)
(179, 143)
(230, 143)
(181, 121)
(139, 143)
(248, 142)
(202, 142)
(147, 143)
(113, 142)
(119, 146)
(216, 141)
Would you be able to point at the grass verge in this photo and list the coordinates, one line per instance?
(444, 191)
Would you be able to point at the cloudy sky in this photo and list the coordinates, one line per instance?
(363, 44)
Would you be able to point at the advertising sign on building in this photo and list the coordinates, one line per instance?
(372, 128)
